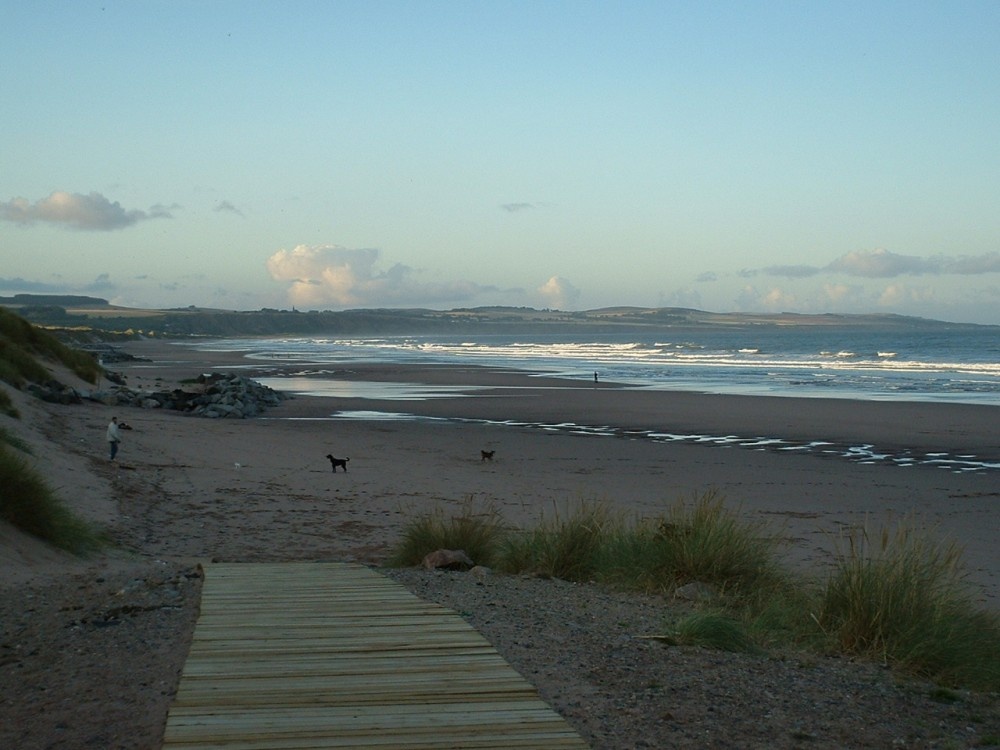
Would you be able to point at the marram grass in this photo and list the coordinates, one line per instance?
(20, 344)
(566, 544)
(476, 531)
(29, 504)
(896, 596)
(899, 596)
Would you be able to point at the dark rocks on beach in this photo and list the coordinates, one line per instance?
(54, 392)
(219, 396)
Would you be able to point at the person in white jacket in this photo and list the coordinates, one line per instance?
(114, 437)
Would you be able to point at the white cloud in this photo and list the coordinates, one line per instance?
(329, 275)
(90, 212)
(559, 293)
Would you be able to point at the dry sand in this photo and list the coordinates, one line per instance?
(186, 489)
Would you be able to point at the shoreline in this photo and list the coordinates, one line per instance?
(544, 459)
(497, 395)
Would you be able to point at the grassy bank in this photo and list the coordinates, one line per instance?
(893, 595)
(21, 344)
(28, 503)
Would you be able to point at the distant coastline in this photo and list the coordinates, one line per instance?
(97, 315)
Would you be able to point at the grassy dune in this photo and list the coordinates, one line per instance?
(894, 595)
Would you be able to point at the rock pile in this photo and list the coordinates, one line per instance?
(54, 392)
(216, 396)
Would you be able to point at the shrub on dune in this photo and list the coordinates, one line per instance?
(900, 597)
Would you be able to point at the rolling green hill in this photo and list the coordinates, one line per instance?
(87, 318)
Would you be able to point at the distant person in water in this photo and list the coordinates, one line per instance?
(114, 437)
(595, 377)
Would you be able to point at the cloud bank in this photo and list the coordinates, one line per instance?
(91, 212)
(330, 275)
(884, 264)
(101, 284)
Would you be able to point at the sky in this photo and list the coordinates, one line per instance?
(814, 157)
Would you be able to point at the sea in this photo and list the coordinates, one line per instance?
(936, 363)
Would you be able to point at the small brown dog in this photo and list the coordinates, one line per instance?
(335, 462)
(487, 455)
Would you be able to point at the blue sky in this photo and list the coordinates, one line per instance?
(800, 156)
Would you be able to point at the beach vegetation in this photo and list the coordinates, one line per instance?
(478, 531)
(899, 596)
(7, 404)
(21, 344)
(702, 540)
(566, 544)
(18, 366)
(6, 436)
(29, 504)
(695, 541)
(714, 629)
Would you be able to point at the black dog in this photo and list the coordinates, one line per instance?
(487, 455)
(335, 462)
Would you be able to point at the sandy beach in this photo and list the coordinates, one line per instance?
(186, 490)
(548, 454)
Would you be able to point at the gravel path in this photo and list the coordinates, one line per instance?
(92, 660)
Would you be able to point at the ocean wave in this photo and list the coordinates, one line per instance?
(732, 362)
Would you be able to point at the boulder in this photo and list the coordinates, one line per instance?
(448, 559)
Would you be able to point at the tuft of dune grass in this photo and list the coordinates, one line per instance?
(899, 596)
(28, 503)
(476, 531)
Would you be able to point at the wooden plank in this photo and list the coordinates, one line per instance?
(302, 656)
(555, 740)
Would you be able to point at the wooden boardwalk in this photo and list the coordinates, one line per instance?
(330, 655)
